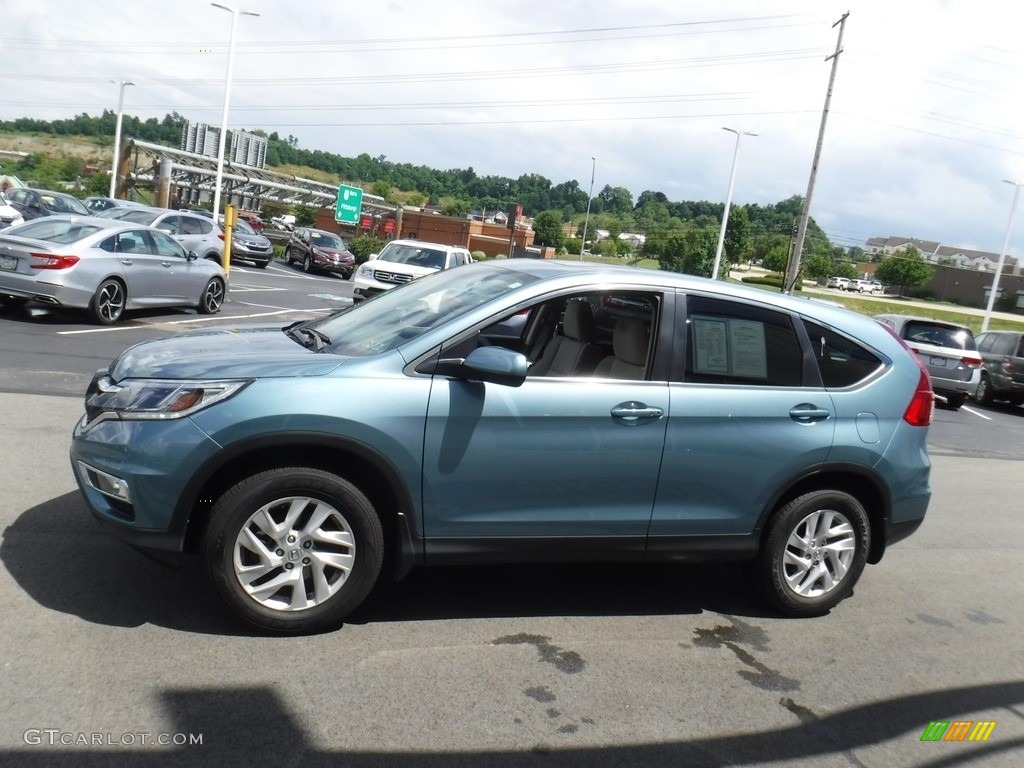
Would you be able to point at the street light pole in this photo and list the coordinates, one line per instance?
(1002, 254)
(117, 136)
(222, 139)
(586, 221)
(728, 198)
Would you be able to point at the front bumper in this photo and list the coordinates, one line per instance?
(133, 476)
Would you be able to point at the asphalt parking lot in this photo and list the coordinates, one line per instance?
(107, 655)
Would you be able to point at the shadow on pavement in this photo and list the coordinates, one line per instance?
(245, 726)
(65, 562)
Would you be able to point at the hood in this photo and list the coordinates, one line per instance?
(401, 269)
(241, 352)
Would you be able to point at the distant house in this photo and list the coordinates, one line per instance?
(634, 240)
(934, 253)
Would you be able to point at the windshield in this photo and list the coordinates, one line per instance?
(241, 226)
(415, 255)
(63, 203)
(327, 240)
(940, 335)
(138, 216)
(402, 314)
(56, 230)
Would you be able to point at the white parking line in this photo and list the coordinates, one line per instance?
(976, 413)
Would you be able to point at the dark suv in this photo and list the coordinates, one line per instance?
(320, 251)
(1002, 374)
(33, 203)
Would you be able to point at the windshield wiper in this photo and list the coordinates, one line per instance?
(310, 338)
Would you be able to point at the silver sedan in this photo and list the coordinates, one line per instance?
(104, 267)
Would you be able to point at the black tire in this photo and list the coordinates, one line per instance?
(953, 402)
(797, 568)
(983, 394)
(108, 302)
(307, 264)
(13, 302)
(213, 297)
(261, 524)
(262, 264)
(288, 256)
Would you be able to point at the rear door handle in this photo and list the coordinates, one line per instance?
(808, 413)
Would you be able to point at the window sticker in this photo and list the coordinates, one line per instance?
(729, 346)
(710, 348)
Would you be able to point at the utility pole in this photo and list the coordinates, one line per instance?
(794, 264)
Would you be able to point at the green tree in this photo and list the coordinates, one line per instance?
(547, 229)
(305, 216)
(777, 255)
(905, 268)
(692, 252)
(818, 266)
(738, 241)
(365, 246)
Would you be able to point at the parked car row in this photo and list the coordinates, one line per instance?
(854, 284)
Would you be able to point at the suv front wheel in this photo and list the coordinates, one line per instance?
(293, 549)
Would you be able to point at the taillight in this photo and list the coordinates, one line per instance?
(49, 261)
(922, 404)
(971, 362)
(919, 412)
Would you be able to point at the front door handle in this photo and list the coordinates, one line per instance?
(633, 412)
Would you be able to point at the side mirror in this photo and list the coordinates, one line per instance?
(497, 365)
(192, 256)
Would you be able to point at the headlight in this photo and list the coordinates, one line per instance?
(365, 270)
(154, 398)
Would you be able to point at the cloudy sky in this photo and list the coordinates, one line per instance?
(926, 118)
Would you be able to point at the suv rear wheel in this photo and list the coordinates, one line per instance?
(815, 550)
(293, 549)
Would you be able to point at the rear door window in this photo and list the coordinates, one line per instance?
(736, 343)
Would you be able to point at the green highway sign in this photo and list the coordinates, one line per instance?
(349, 205)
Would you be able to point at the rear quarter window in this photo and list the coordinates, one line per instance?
(841, 361)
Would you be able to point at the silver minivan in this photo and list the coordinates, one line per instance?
(947, 349)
